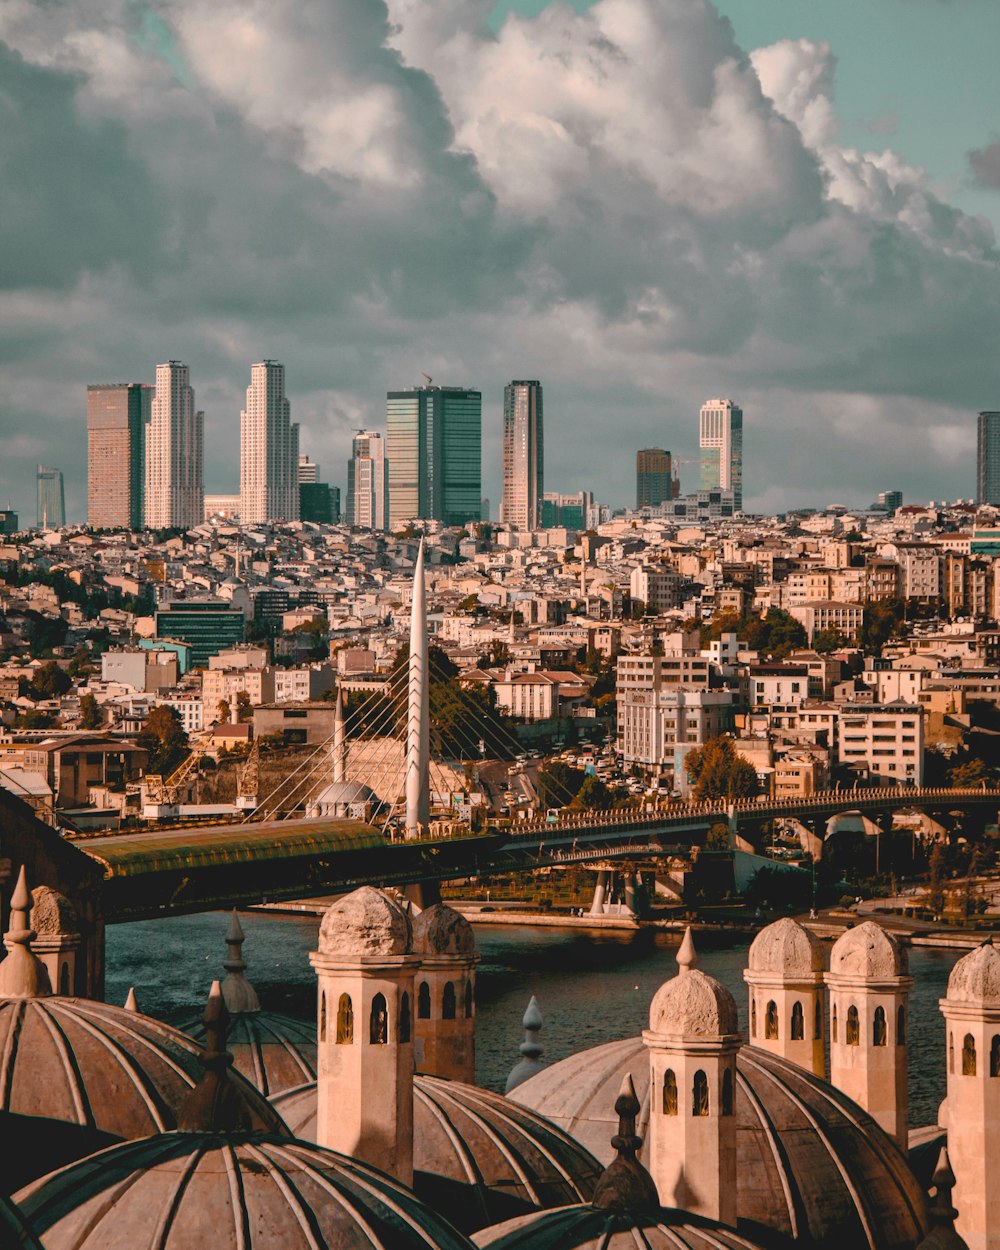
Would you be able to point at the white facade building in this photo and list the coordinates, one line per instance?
(175, 490)
(659, 587)
(269, 449)
(720, 437)
(884, 743)
(367, 482)
(523, 456)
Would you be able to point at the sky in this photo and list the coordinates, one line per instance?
(642, 203)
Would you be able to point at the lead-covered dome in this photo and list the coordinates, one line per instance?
(811, 1165)
(693, 1004)
(590, 1228)
(366, 922)
(868, 952)
(476, 1154)
(14, 1231)
(785, 948)
(441, 930)
(273, 1051)
(976, 977)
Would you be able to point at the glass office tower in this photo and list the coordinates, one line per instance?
(434, 447)
(988, 459)
(51, 498)
(116, 420)
(720, 437)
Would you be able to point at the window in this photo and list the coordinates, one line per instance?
(969, 1055)
(378, 1024)
(798, 1024)
(853, 1032)
(64, 986)
(345, 1021)
(322, 1017)
(951, 1052)
(818, 1020)
(448, 1001)
(901, 1026)
(468, 999)
(403, 1032)
(753, 1017)
(669, 1092)
(699, 1103)
(878, 1027)
(423, 1001)
(727, 1092)
(833, 1027)
(771, 1022)
(995, 1056)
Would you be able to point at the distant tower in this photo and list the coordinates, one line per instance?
(308, 472)
(418, 751)
(368, 482)
(434, 446)
(988, 458)
(117, 416)
(971, 1010)
(51, 498)
(365, 1032)
(654, 480)
(720, 436)
(785, 979)
(523, 455)
(444, 1027)
(868, 986)
(693, 1042)
(175, 436)
(269, 449)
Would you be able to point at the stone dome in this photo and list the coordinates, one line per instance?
(590, 1228)
(869, 952)
(273, 1051)
(786, 948)
(441, 930)
(476, 1154)
(81, 1074)
(338, 793)
(976, 977)
(365, 923)
(811, 1165)
(693, 1004)
(233, 1192)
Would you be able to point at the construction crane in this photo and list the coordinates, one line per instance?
(428, 377)
(675, 465)
(158, 791)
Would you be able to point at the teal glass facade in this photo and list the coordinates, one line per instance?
(434, 448)
(207, 627)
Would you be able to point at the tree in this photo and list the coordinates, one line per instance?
(223, 712)
(164, 738)
(558, 784)
(34, 719)
(594, 795)
(718, 772)
(935, 881)
(827, 640)
(50, 681)
(243, 706)
(90, 713)
(971, 772)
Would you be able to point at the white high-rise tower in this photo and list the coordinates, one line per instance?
(523, 455)
(175, 488)
(269, 449)
(720, 437)
(367, 481)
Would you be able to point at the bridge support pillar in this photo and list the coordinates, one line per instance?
(809, 837)
(600, 892)
(422, 894)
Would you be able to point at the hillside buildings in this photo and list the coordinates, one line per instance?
(269, 449)
(175, 491)
(523, 455)
(720, 437)
(117, 415)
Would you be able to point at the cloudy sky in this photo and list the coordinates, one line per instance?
(643, 203)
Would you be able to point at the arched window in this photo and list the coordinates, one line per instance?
(995, 1056)
(322, 1016)
(403, 1032)
(833, 1026)
(448, 1001)
(468, 999)
(378, 1024)
(951, 1052)
(853, 1031)
(753, 1017)
(818, 1020)
(669, 1092)
(423, 1001)
(878, 1027)
(969, 1055)
(771, 1022)
(901, 1026)
(64, 986)
(727, 1092)
(798, 1023)
(345, 1021)
(699, 1101)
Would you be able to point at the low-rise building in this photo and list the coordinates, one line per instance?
(882, 743)
(821, 615)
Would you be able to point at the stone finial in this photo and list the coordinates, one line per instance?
(625, 1186)
(942, 1214)
(22, 973)
(215, 1105)
(131, 1003)
(239, 994)
(531, 1048)
(687, 956)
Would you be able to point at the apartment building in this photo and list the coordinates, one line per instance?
(658, 724)
(228, 683)
(882, 743)
(302, 685)
(828, 614)
(660, 588)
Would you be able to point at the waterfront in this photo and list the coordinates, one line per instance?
(592, 986)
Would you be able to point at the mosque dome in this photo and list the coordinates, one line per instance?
(976, 977)
(338, 793)
(441, 930)
(693, 1005)
(365, 922)
(786, 948)
(476, 1154)
(14, 1232)
(811, 1165)
(869, 952)
(591, 1228)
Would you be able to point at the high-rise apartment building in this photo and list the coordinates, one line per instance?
(308, 471)
(654, 478)
(175, 439)
(269, 449)
(434, 445)
(117, 415)
(51, 498)
(523, 455)
(988, 459)
(720, 437)
(367, 481)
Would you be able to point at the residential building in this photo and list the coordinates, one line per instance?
(777, 683)
(269, 449)
(174, 493)
(654, 478)
(72, 765)
(540, 695)
(988, 458)
(226, 684)
(302, 685)
(659, 587)
(921, 570)
(882, 743)
(308, 471)
(820, 615)
(117, 415)
(368, 482)
(51, 498)
(208, 625)
(523, 455)
(658, 726)
(297, 723)
(143, 669)
(891, 500)
(720, 438)
(190, 709)
(434, 437)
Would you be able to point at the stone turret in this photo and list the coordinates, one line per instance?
(785, 979)
(445, 1024)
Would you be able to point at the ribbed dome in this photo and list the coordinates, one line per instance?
(590, 1228)
(366, 922)
(810, 1163)
(338, 792)
(869, 952)
(273, 1051)
(14, 1232)
(102, 1072)
(785, 948)
(441, 930)
(976, 977)
(693, 1004)
(179, 1190)
(476, 1155)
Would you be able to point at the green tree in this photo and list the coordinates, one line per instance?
(718, 772)
(35, 719)
(971, 772)
(243, 707)
(558, 784)
(90, 713)
(50, 681)
(827, 640)
(223, 712)
(164, 738)
(936, 881)
(594, 795)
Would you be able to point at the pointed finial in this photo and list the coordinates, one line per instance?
(531, 1048)
(215, 1104)
(131, 1003)
(22, 973)
(625, 1185)
(239, 994)
(687, 956)
(942, 1213)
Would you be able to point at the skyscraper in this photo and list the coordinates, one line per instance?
(654, 480)
(175, 488)
(523, 455)
(434, 444)
(367, 481)
(51, 498)
(721, 442)
(269, 449)
(117, 415)
(988, 459)
(308, 470)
